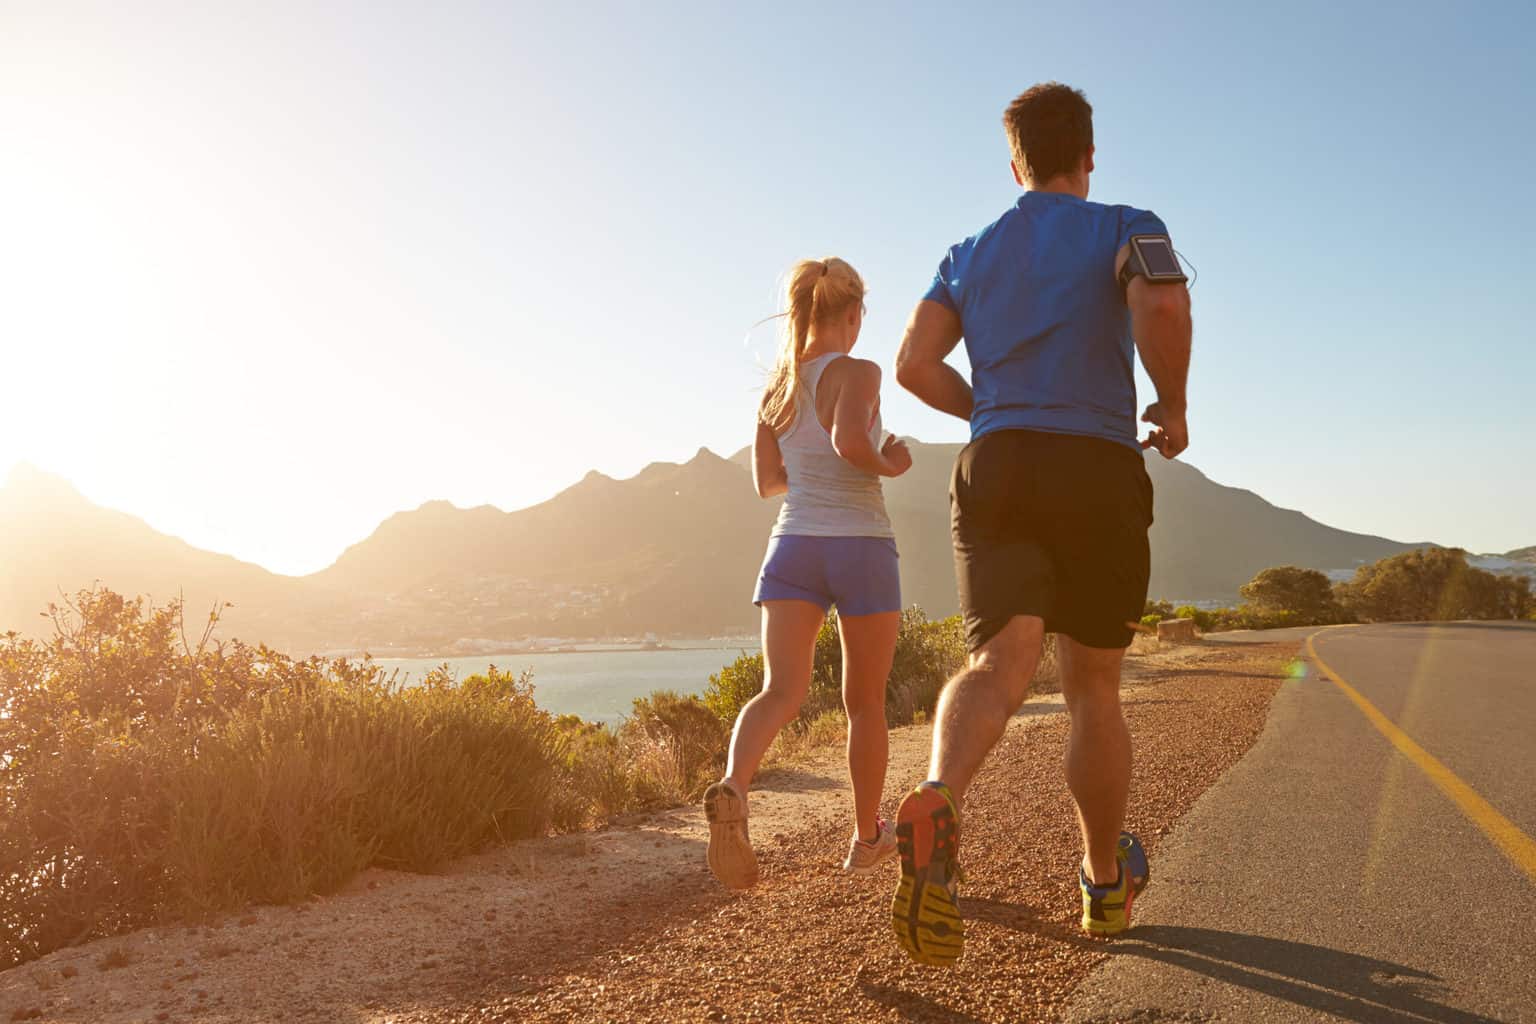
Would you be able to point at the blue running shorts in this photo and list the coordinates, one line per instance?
(861, 575)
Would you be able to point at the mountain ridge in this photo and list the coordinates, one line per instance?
(54, 541)
(672, 549)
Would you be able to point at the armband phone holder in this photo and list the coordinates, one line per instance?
(1152, 257)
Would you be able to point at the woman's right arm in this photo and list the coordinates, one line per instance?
(768, 474)
(857, 399)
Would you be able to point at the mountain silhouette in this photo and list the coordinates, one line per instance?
(1207, 539)
(54, 542)
(672, 550)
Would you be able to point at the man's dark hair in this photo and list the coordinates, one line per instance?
(1050, 127)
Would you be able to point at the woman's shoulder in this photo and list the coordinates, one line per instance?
(852, 367)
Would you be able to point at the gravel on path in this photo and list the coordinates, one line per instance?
(811, 945)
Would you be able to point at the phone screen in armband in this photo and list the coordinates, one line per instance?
(1157, 258)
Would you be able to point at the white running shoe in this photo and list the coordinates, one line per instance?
(730, 853)
(864, 858)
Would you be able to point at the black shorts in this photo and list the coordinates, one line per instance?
(1054, 526)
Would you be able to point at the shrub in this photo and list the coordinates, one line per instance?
(798, 744)
(729, 689)
(927, 654)
(1426, 584)
(1433, 584)
(1203, 619)
(595, 780)
(290, 797)
(142, 777)
(826, 692)
(677, 747)
(1305, 593)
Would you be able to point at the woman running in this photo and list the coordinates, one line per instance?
(819, 442)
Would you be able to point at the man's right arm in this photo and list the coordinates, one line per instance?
(932, 334)
(1162, 327)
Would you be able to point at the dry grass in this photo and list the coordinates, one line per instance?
(798, 744)
(144, 778)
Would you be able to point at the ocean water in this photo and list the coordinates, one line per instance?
(597, 685)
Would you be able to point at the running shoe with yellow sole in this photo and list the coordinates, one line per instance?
(730, 853)
(1107, 909)
(925, 913)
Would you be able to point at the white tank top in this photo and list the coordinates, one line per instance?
(827, 496)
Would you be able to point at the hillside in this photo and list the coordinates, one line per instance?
(1519, 562)
(675, 549)
(672, 549)
(53, 542)
(1207, 539)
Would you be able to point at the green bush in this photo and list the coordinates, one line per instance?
(143, 778)
(1434, 584)
(676, 747)
(927, 654)
(1425, 584)
(595, 780)
(1203, 619)
(1304, 593)
(729, 689)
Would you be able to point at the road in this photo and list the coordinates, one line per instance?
(1327, 876)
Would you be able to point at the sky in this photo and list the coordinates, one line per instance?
(273, 272)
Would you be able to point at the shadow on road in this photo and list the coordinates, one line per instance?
(1352, 987)
(796, 780)
(1021, 918)
(911, 1006)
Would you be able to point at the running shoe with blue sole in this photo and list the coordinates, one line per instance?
(1107, 909)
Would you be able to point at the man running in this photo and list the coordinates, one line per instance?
(1050, 502)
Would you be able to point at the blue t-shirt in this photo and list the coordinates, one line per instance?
(1046, 326)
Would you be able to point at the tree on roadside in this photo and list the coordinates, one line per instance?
(1514, 599)
(1433, 584)
(1304, 593)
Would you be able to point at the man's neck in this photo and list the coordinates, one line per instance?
(1067, 184)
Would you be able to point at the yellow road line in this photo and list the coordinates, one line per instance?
(1505, 834)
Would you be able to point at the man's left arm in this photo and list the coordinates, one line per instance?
(1162, 329)
(932, 334)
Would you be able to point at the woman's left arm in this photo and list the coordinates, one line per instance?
(768, 474)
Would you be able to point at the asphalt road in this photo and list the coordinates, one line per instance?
(1326, 876)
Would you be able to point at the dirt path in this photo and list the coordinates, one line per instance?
(627, 925)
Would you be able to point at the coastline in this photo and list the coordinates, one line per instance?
(741, 643)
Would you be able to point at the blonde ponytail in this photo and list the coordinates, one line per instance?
(817, 292)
